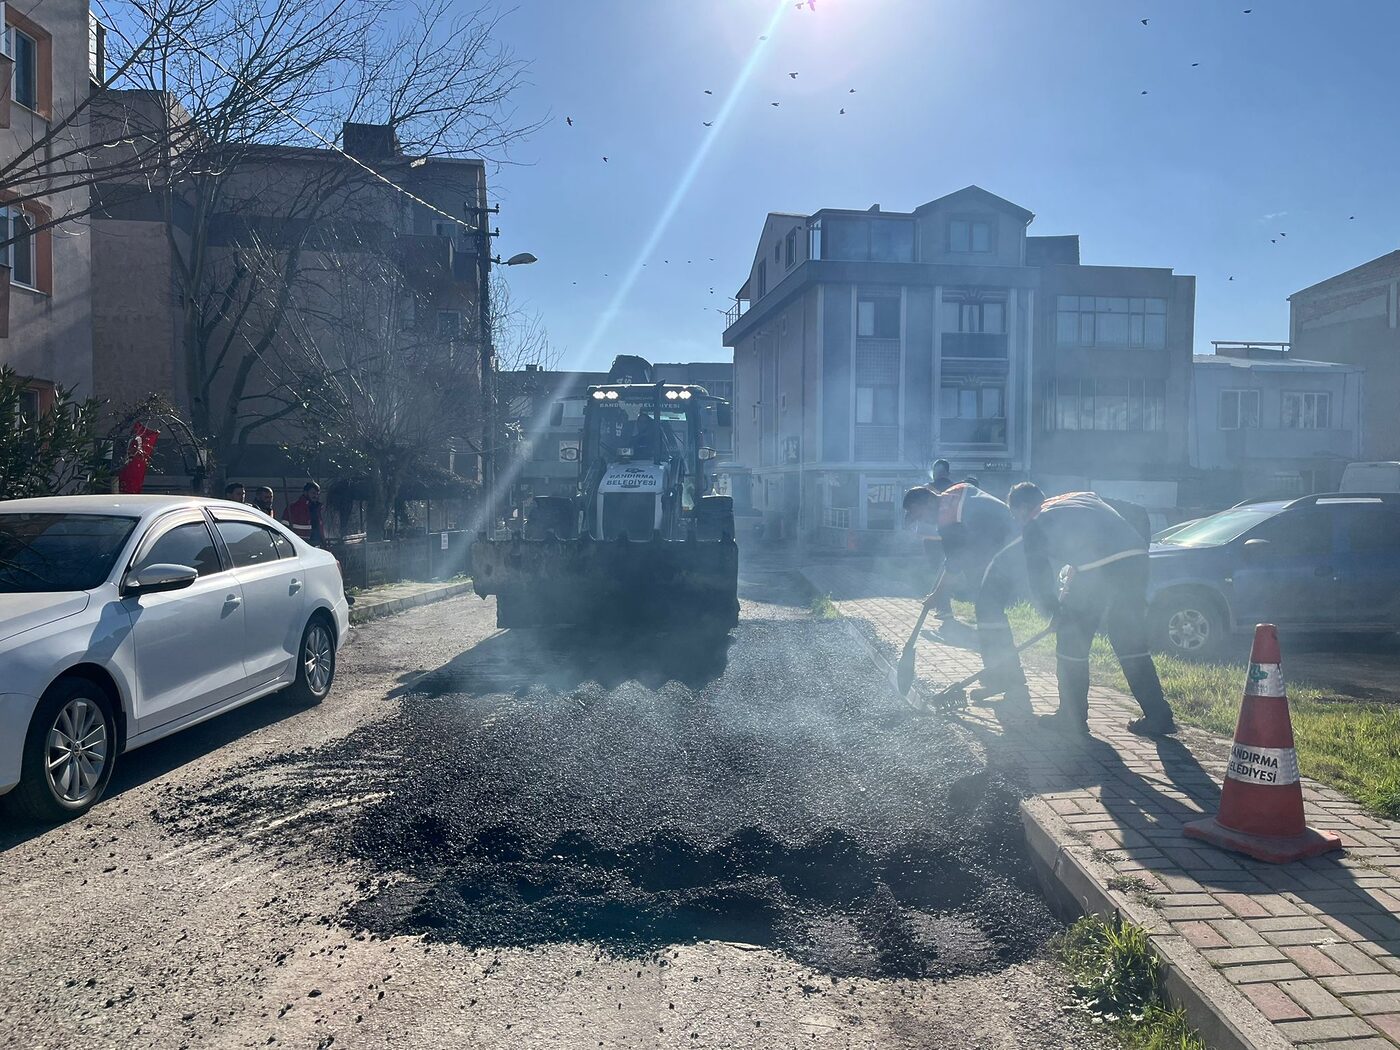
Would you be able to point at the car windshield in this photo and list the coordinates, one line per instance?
(1219, 528)
(629, 430)
(59, 552)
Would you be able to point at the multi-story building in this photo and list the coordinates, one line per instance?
(1354, 318)
(868, 343)
(50, 51)
(317, 221)
(1267, 423)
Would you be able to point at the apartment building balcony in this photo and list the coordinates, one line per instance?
(736, 311)
(979, 433)
(1265, 443)
(976, 346)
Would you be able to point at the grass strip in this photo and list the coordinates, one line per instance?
(1343, 742)
(1117, 982)
(823, 608)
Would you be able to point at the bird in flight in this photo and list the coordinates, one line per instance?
(1232, 278)
(708, 123)
(1249, 10)
(1273, 240)
(1144, 92)
(793, 75)
(763, 38)
(773, 103)
(708, 91)
(1144, 21)
(1283, 235)
(1194, 65)
(1351, 216)
(851, 92)
(569, 121)
(605, 160)
(843, 111)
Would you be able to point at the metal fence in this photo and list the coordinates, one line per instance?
(434, 556)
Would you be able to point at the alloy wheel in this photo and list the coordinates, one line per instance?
(319, 658)
(77, 752)
(1189, 630)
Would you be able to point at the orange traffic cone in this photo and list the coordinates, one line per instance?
(1261, 801)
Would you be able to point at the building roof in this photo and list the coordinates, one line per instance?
(1384, 264)
(977, 195)
(1291, 364)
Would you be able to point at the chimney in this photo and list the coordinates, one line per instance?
(370, 141)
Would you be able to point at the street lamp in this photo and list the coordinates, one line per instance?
(488, 358)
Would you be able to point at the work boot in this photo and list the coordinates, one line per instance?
(1015, 711)
(1066, 724)
(1150, 727)
(1146, 688)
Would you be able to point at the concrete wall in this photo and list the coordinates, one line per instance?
(1354, 319)
(50, 329)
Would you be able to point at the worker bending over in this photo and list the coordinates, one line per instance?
(1108, 582)
(979, 540)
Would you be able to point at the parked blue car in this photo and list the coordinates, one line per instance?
(1320, 563)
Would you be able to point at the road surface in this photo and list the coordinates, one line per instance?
(545, 839)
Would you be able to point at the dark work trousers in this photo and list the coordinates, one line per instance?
(933, 550)
(1115, 597)
(1001, 587)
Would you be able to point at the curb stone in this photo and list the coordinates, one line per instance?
(1078, 884)
(363, 612)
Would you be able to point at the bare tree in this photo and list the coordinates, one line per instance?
(261, 185)
(380, 391)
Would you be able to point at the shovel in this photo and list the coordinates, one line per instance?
(947, 694)
(904, 673)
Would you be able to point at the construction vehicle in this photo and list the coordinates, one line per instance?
(644, 539)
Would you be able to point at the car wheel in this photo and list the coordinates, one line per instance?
(69, 752)
(315, 662)
(1189, 625)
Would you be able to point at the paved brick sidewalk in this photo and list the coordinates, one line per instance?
(1310, 947)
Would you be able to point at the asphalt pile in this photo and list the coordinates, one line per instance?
(550, 787)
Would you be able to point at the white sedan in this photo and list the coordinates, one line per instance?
(124, 619)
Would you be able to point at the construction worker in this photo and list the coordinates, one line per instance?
(921, 515)
(305, 515)
(1107, 558)
(942, 475)
(979, 542)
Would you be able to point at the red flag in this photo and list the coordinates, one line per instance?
(132, 477)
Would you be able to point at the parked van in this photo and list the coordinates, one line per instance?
(1371, 477)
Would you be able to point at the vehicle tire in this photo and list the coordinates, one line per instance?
(69, 752)
(315, 662)
(1189, 624)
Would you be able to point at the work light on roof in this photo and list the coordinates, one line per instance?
(612, 395)
(598, 395)
(671, 395)
(685, 393)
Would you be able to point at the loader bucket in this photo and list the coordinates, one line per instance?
(662, 583)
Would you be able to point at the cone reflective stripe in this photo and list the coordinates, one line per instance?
(1261, 800)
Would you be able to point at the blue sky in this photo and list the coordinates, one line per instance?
(1287, 126)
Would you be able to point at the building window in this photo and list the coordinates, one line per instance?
(790, 246)
(877, 406)
(760, 280)
(870, 240)
(1239, 410)
(982, 317)
(1110, 321)
(1306, 411)
(814, 239)
(877, 318)
(972, 412)
(19, 254)
(1106, 404)
(777, 253)
(24, 49)
(449, 324)
(969, 235)
(28, 407)
(97, 50)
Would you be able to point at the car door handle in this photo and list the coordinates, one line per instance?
(294, 587)
(233, 601)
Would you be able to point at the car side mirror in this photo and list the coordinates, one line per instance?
(153, 579)
(1256, 547)
(556, 414)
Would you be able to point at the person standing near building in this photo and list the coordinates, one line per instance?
(234, 492)
(305, 515)
(262, 499)
(1107, 587)
(942, 476)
